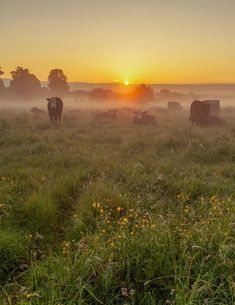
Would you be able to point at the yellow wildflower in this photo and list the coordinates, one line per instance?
(125, 220)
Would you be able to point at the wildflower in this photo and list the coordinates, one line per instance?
(125, 220)
(125, 292)
(119, 209)
(132, 292)
(112, 244)
(28, 295)
(96, 205)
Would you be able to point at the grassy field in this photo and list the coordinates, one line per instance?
(112, 213)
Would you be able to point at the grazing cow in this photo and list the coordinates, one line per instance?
(110, 114)
(37, 112)
(55, 107)
(174, 106)
(142, 117)
(200, 115)
(214, 107)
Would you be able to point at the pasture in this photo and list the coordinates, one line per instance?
(107, 212)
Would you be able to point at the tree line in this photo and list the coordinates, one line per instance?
(25, 85)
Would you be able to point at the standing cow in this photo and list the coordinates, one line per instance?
(200, 115)
(214, 107)
(55, 107)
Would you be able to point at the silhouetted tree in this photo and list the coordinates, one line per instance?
(142, 94)
(1, 81)
(57, 82)
(24, 84)
(2, 87)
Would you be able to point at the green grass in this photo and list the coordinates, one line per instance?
(112, 213)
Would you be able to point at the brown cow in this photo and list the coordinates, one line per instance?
(174, 106)
(214, 107)
(55, 108)
(200, 115)
(142, 117)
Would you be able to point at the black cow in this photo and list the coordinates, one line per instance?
(55, 107)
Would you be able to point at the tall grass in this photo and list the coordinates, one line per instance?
(112, 213)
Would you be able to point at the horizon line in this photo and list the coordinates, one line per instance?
(138, 83)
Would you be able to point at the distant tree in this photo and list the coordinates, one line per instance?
(2, 87)
(100, 94)
(57, 82)
(24, 84)
(1, 81)
(142, 94)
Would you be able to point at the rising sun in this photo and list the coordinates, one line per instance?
(126, 83)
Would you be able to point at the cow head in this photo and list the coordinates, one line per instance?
(52, 101)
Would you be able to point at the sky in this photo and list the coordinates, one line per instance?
(150, 41)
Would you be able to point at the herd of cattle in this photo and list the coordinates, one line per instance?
(202, 113)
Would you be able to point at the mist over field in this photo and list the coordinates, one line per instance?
(113, 204)
(117, 152)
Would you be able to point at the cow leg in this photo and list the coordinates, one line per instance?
(51, 118)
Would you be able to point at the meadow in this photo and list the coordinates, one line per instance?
(111, 213)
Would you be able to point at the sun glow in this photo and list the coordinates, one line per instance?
(126, 83)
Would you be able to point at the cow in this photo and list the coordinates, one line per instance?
(55, 107)
(214, 107)
(174, 106)
(142, 117)
(37, 112)
(200, 115)
(110, 114)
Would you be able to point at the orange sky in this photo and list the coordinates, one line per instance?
(152, 41)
